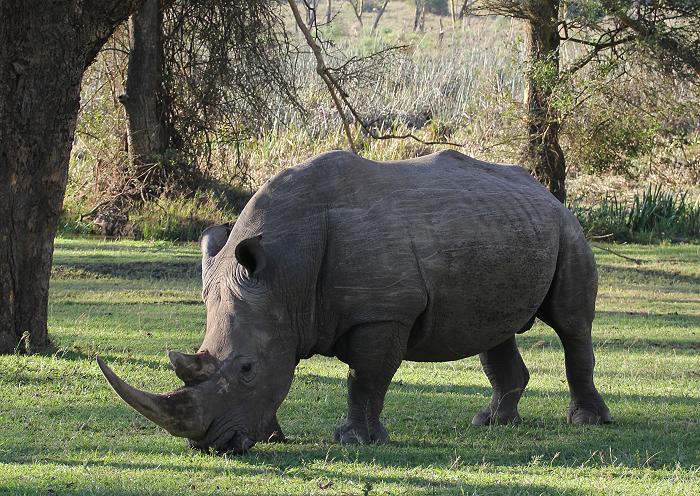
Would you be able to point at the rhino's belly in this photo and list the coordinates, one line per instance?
(455, 343)
(478, 301)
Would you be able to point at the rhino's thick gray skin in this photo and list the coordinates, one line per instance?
(432, 259)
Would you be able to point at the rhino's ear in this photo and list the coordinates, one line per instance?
(213, 239)
(251, 254)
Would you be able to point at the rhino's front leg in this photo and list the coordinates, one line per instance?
(273, 433)
(374, 353)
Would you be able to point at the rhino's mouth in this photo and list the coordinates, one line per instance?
(223, 437)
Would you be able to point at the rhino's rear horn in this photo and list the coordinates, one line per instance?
(193, 369)
(179, 412)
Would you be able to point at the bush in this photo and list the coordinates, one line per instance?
(652, 216)
(178, 219)
(71, 225)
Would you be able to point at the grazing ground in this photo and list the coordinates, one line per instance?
(63, 431)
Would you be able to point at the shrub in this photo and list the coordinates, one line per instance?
(71, 225)
(178, 219)
(654, 215)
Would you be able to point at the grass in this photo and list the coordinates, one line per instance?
(655, 214)
(63, 431)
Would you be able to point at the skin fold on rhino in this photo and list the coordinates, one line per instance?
(431, 259)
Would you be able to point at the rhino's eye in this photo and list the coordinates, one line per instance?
(247, 372)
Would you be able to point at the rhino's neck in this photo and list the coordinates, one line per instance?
(295, 245)
(290, 212)
(303, 251)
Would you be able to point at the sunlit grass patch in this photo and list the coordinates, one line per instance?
(63, 431)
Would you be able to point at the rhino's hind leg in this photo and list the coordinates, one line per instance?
(374, 353)
(508, 376)
(587, 405)
(569, 309)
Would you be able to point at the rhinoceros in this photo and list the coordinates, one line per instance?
(430, 259)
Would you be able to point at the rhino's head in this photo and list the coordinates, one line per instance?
(244, 368)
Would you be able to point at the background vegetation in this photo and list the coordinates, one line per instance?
(626, 127)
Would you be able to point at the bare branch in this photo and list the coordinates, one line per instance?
(340, 96)
(593, 53)
(322, 71)
(636, 261)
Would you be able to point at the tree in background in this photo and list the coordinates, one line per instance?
(609, 33)
(144, 98)
(227, 63)
(358, 8)
(45, 48)
(199, 73)
(380, 12)
(419, 16)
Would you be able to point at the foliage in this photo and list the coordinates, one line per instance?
(666, 33)
(178, 218)
(166, 218)
(63, 431)
(618, 118)
(224, 64)
(623, 118)
(72, 225)
(652, 216)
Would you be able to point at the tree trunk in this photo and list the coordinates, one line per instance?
(358, 8)
(465, 9)
(144, 97)
(379, 15)
(44, 49)
(419, 17)
(311, 7)
(543, 153)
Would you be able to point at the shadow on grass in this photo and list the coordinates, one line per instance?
(431, 393)
(99, 243)
(545, 337)
(418, 486)
(429, 424)
(656, 319)
(643, 275)
(144, 302)
(175, 269)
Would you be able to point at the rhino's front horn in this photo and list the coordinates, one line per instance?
(178, 412)
(193, 369)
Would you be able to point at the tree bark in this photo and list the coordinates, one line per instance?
(419, 17)
(543, 154)
(44, 50)
(144, 96)
(379, 15)
(358, 8)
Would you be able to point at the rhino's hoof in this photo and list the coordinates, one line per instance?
(273, 433)
(488, 417)
(579, 415)
(275, 437)
(360, 433)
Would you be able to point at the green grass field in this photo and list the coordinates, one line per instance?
(64, 431)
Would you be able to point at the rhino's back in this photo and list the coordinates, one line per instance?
(461, 250)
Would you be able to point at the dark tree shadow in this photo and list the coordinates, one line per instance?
(644, 275)
(157, 270)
